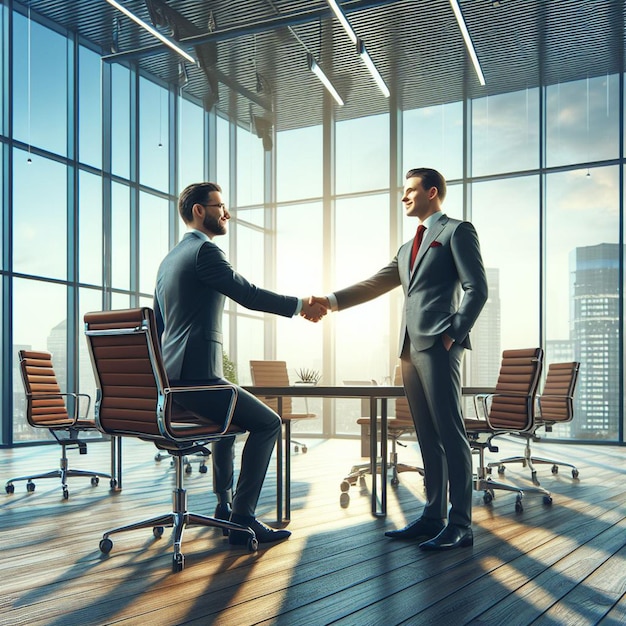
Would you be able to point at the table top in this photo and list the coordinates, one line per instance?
(345, 391)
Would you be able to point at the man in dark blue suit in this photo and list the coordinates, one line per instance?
(192, 283)
(445, 287)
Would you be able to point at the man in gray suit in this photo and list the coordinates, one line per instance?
(443, 260)
(192, 283)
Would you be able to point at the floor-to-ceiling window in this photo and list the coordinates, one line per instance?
(85, 232)
(583, 317)
(86, 222)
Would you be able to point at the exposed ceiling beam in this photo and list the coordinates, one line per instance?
(258, 26)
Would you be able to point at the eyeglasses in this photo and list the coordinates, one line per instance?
(219, 205)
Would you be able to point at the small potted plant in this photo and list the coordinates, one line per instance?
(307, 376)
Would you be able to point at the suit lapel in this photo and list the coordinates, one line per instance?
(430, 236)
(404, 257)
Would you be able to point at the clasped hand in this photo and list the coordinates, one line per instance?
(314, 308)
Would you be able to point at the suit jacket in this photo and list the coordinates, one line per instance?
(192, 283)
(448, 264)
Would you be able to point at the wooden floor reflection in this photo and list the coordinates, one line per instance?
(564, 564)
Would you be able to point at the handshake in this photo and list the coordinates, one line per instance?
(314, 308)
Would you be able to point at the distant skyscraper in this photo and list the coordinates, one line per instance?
(21, 429)
(560, 351)
(57, 346)
(594, 293)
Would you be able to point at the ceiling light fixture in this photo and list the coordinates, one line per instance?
(319, 72)
(340, 15)
(360, 47)
(151, 30)
(468, 40)
(364, 54)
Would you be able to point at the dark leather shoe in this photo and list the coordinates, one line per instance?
(222, 512)
(450, 537)
(422, 528)
(263, 532)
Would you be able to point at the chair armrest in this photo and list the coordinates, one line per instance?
(481, 399)
(207, 388)
(484, 401)
(507, 395)
(60, 394)
(76, 407)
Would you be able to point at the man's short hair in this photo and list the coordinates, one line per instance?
(430, 178)
(198, 193)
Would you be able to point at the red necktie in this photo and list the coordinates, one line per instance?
(419, 235)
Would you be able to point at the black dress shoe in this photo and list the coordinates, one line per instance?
(422, 528)
(263, 532)
(450, 537)
(222, 512)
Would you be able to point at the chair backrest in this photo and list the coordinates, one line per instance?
(272, 374)
(556, 402)
(512, 406)
(403, 412)
(45, 406)
(133, 393)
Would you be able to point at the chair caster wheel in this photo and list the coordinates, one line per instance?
(296, 449)
(30, 486)
(203, 469)
(10, 488)
(395, 482)
(188, 469)
(304, 449)
(178, 562)
(547, 500)
(574, 473)
(555, 469)
(253, 544)
(487, 497)
(344, 500)
(95, 480)
(157, 531)
(501, 469)
(113, 483)
(345, 486)
(519, 508)
(105, 545)
(66, 494)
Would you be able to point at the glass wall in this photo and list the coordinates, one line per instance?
(505, 133)
(538, 172)
(299, 272)
(582, 284)
(89, 108)
(40, 60)
(433, 137)
(39, 323)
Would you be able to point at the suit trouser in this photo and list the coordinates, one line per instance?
(432, 381)
(263, 426)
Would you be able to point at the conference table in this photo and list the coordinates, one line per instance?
(378, 396)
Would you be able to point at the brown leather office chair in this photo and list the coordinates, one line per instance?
(46, 408)
(556, 406)
(135, 399)
(397, 426)
(274, 374)
(510, 409)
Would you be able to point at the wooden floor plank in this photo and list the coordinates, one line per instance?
(556, 564)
